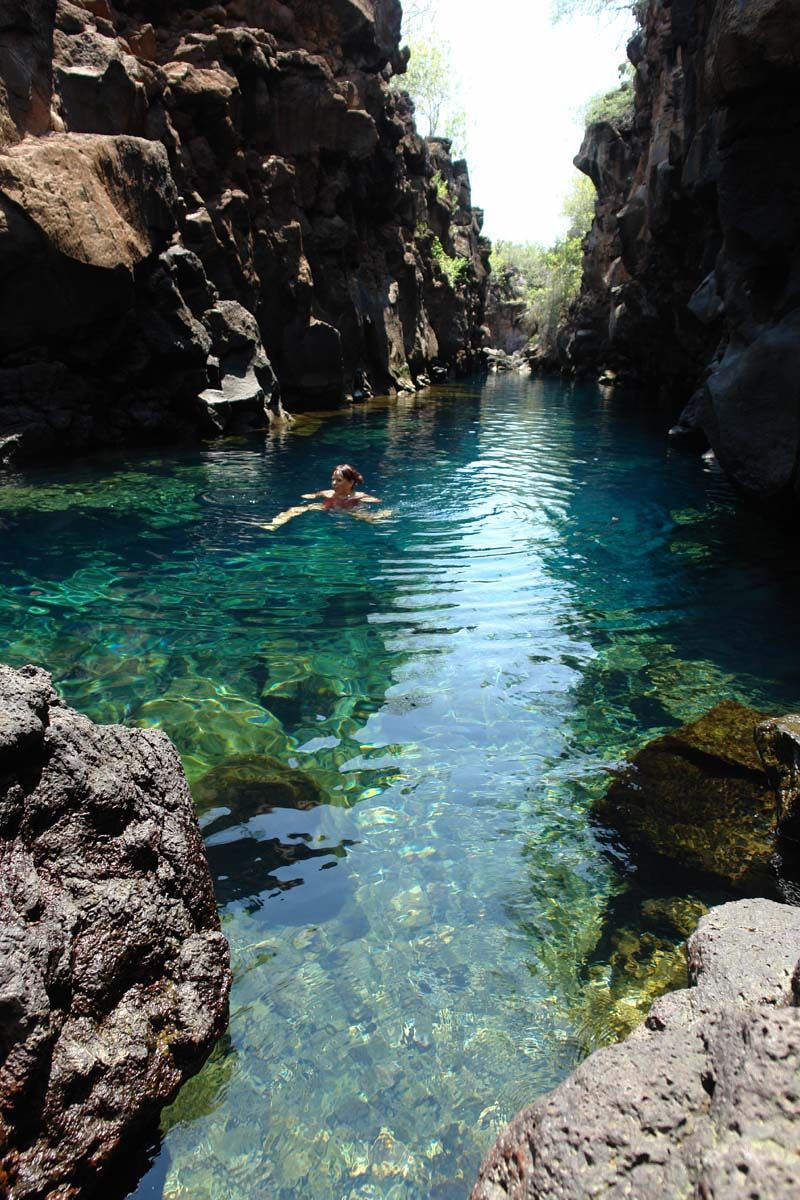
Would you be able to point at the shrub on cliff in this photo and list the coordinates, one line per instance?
(617, 106)
(432, 84)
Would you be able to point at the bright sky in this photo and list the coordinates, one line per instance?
(524, 81)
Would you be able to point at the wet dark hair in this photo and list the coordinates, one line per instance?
(350, 473)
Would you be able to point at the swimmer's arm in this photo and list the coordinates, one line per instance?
(287, 515)
(325, 494)
(365, 499)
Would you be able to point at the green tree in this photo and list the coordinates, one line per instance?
(579, 206)
(572, 8)
(418, 18)
(433, 86)
(547, 279)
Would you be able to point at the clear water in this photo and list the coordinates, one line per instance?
(421, 952)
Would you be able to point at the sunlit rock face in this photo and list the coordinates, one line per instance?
(701, 1100)
(114, 975)
(157, 161)
(691, 267)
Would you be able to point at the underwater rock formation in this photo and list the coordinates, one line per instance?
(701, 1100)
(699, 795)
(205, 206)
(114, 976)
(691, 267)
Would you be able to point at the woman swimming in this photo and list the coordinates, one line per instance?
(341, 494)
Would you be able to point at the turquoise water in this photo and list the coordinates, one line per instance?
(423, 931)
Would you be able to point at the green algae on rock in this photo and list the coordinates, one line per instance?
(699, 795)
(251, 783)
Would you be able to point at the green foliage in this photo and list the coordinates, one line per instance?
(433, 86)
(547, 279)
(579, 206)
(455, 269)
(442, 189)
(616, 107)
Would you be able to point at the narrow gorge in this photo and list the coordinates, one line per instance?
(441, 839)
(690, 282)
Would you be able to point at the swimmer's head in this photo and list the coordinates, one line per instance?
(344, 473)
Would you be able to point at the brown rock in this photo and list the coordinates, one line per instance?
(104, 201)
(114, 976)
(699, 795)
(778, 742)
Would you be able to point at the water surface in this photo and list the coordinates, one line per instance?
(426, 930)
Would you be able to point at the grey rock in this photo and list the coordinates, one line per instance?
(114, 975)
(701, 1101)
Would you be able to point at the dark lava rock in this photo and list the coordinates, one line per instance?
(700, 1101)
(699, 795)
(690, 268)
(114, 975)
(230, 204)
(778, 741)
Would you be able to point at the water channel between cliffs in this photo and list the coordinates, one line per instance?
(427, 932)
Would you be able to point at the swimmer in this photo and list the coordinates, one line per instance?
(342, 494)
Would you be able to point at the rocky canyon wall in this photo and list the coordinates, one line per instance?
(205, 208)
(692, 268)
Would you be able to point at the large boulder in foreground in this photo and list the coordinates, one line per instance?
(700, 1101)
(699, 795)
(114, 976)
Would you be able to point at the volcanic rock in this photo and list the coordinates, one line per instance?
(701, 1100)
(156, 161)
(114, 975)
(691, 264)
(699, 795)
(778, 742)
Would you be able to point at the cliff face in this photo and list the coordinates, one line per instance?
(206, 208)
(693, 262)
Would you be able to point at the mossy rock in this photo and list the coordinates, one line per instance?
(699, 796)
(248, 784)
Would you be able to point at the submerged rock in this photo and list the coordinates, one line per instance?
(248, 784)
(699, 1101)
(114, 975)
(699, 795)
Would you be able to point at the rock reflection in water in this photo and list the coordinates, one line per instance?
(268, 830)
